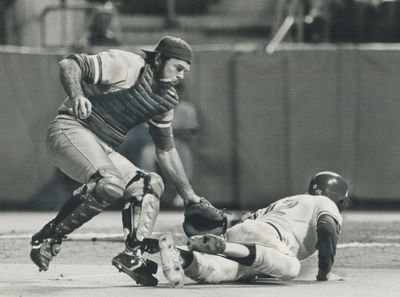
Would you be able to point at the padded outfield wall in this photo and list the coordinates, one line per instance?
(29, 96)
(267, 122)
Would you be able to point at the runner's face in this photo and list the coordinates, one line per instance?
(174, 71)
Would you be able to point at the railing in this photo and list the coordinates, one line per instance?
(63, 23)
(280, 34)
(171, 19)
(295, 17)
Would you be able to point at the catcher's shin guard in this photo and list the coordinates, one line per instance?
(105, 187)
(138, 221)
(140, 212)
(149, 210)
(88, 208)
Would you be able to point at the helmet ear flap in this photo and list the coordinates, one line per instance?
(341, 204)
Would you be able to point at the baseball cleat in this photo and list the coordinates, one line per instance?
(43, 251)
(209, 243)
(139, 269)
(170, 260)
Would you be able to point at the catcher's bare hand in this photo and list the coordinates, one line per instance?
(81, 107)
(192, 200)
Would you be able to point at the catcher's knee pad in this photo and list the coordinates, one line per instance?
(109, 185)
(143, 183)
(155, 184)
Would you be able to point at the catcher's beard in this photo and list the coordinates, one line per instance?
(158, 75)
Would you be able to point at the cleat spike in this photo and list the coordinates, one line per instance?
(136, 267)
(170, 260)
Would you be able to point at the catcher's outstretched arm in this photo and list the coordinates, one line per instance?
(171, 166)
(328, 233)
(168, 158)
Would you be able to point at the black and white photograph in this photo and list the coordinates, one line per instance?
(200, 148)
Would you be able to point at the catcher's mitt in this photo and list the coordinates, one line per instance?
(203, 218)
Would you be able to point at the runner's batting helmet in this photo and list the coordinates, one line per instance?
(329, 184)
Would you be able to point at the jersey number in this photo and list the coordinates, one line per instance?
(281, 207)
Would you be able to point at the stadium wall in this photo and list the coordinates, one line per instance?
(318, 110)
(29, 96)
(267, 123)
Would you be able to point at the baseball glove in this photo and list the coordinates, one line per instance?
(203, 218)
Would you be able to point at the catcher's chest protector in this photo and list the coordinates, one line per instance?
(115, 113)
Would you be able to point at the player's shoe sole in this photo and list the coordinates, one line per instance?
(140, 270)
(170, 261)
(209, 243)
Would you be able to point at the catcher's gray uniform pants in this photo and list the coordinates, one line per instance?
(79, 153)
(273, 258)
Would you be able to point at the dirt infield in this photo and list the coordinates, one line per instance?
(368, 257)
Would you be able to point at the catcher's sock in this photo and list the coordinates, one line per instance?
(132, 243)
(186, 258)
(149, 245)
(133, 251)
(232, 253)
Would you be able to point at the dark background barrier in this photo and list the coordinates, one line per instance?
(213, 149)
(29, 96)
(267, 123)
(377, 125)
(262, 128)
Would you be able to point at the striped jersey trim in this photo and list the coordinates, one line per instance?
(100, 65)
(96, 70)
(160, 125)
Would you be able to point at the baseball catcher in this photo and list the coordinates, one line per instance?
(109, 94)
(272, 241)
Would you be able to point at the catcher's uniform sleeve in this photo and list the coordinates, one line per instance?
(89, 65)
(110, 67)
(160, 128)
